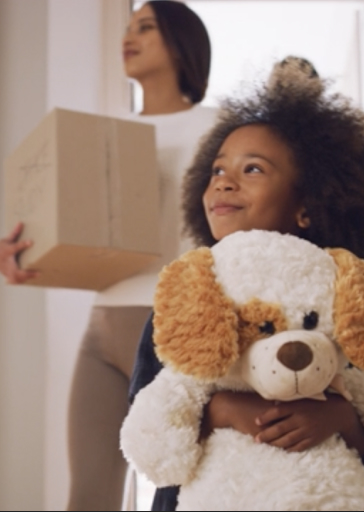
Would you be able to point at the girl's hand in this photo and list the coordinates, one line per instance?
(9, 249)
(235, 410)
(302, 424)
(294, 426)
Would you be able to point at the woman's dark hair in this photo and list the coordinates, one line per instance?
(188, 40)
(326, 134)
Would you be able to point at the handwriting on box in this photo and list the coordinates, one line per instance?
(31, 186)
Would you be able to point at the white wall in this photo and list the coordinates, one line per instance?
(73, 82)
(22, 312)
(52, 53)
(248, 36)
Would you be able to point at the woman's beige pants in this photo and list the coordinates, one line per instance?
(98, 405)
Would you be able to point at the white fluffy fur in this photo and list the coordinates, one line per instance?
(230, 471)
(237, 474)
(161, 431)
(282, 269)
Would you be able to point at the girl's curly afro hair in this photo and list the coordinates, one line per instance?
(326, 134)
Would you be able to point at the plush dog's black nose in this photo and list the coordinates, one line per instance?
(295, 355)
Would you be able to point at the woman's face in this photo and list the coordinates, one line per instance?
(144, 50)
(254, 185)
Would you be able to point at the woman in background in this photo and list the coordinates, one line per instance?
(167, 50)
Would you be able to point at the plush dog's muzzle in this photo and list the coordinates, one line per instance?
(289, 365)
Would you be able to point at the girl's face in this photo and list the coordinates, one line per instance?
(144, 50)
(253, 185)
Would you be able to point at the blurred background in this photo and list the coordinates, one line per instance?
(249, 35)
(66, 53)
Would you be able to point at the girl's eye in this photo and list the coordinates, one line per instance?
(252, 169)
(217, 171)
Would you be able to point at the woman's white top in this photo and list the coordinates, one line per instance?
(177, 138)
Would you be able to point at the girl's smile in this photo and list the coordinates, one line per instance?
(224, 208)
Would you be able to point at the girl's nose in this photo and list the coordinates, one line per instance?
(224, 183)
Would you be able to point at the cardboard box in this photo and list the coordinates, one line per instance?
(86, 188)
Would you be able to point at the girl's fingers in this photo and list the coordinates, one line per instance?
(273, 414)
(274, 432)
(281, 437)
(301, 446)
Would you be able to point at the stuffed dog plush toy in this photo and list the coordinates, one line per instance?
(258, 312)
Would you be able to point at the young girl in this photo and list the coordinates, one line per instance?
(290, 158)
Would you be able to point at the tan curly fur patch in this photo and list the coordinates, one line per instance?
(349, 305)
(253, 315)
(195, 323)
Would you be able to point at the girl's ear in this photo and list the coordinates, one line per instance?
(349, 305)
(196, 326)
(302, 218)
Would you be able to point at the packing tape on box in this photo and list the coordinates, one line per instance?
(110, 161)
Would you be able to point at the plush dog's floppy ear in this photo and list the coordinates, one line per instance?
(195, 323)
(349, 305)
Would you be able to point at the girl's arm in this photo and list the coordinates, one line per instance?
(294, 426)
(230, 409)
(297, 426)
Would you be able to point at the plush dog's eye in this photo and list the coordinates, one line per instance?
(267, 328)
(310, 320)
